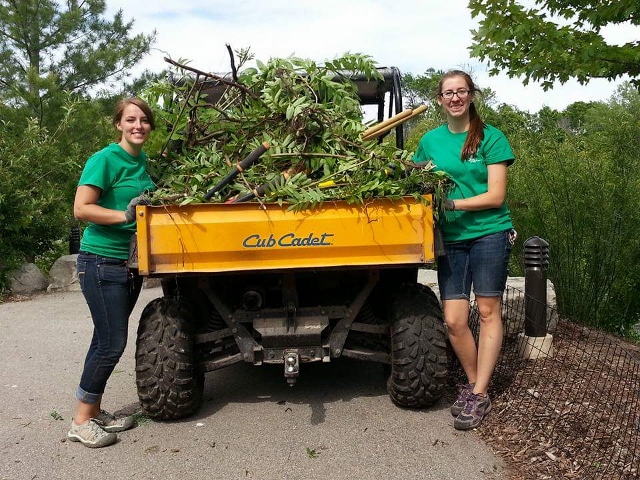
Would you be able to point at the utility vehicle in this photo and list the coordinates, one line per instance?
(259, 284)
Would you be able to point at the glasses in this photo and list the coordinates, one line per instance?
(461, 93)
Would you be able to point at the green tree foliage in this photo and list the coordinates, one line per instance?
(54, 57)
(421, 89)
(576, 184)
(556, 40)
(47, 48)
(39, 169)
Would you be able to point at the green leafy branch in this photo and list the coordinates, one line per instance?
(308, 112)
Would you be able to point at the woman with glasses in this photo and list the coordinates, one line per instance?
(478, 235)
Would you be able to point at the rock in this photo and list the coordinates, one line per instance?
(518, 283)
(151, 282)
(516, 302)
(63, 275)
(430, 279)
(28, 279)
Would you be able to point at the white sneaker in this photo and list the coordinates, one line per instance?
(91, 435)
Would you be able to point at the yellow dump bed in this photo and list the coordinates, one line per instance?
(208, 238)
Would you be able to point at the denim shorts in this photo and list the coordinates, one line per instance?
(482, 262)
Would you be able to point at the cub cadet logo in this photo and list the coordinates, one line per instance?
(288, 240)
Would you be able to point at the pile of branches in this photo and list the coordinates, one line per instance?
(307, 113)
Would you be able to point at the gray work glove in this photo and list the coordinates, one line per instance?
(449, 205)
(130, 212)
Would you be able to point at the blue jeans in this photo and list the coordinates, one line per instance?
(111, 291)
(482, 262)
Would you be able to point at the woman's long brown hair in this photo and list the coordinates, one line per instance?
(475, 135)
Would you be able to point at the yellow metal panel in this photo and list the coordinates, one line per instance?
(248, 236)
(142, 234)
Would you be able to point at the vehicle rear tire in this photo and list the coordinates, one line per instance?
(418, 348)
(168, 382)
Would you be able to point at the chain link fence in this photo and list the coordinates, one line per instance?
(573, 412)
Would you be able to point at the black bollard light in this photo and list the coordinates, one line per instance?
(536, 263)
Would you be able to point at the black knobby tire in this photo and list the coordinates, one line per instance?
(167, 379)
(418, 348)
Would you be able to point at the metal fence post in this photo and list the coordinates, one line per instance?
(535, 341)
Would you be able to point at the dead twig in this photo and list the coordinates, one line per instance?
(213, 76)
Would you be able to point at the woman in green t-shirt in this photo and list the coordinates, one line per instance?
(113, 181)
(478, 235)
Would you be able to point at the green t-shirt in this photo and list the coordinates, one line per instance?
(121, 177)
(470, 178)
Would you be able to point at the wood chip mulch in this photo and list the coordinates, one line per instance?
(575, 415)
